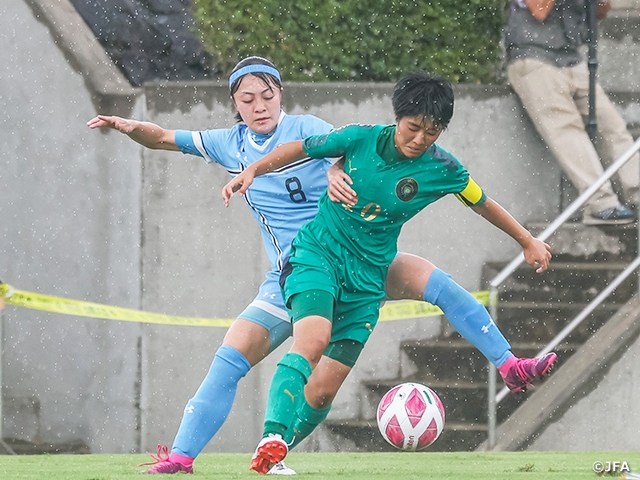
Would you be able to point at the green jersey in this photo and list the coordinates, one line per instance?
(391, 188)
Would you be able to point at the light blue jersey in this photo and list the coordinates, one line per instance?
(281, 201)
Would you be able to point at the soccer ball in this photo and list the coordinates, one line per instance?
(410, 417)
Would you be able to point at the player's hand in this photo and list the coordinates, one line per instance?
(117, 123)
(238, 184)
(339, 189)
(538, 255)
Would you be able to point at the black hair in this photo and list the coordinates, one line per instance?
(267, 78)
(425, 94)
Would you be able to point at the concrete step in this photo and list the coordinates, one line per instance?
(454, 361)
(538, 322)
(532, 310)
(575, 241)
(458, 374)
(22, 447)
(461, 399)
(365, 434)
(571, 383)
(564, 281)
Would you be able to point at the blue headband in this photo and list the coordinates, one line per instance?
(252, 69)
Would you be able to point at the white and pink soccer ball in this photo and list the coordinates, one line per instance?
(410, 417)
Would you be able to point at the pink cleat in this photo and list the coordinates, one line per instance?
(164, 464)
(520, 373)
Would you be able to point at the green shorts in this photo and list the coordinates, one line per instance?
(318, 262)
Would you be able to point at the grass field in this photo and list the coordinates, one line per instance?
(320, 466)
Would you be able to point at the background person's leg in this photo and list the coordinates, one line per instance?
(547, 93)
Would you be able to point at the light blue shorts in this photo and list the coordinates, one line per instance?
(267, 310)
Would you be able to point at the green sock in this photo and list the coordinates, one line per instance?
(306, 420)
(285, 393)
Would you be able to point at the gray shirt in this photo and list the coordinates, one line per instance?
(554, 40)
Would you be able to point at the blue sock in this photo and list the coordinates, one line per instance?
(208, 409)
(467, 316)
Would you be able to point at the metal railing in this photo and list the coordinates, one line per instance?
(593, 304)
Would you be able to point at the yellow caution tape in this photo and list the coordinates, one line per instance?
(95, 310)
(397, 310)
(405, 309)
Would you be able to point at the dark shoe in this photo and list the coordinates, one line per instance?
(610, 216)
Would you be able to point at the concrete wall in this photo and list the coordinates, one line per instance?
(69, 226)
(619, 47)
(91, 215)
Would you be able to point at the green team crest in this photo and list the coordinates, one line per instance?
(406, 189)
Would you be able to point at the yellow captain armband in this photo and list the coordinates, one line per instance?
(472, 194)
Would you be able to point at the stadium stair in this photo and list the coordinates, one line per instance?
(532, 310)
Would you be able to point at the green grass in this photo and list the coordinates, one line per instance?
(320, 466)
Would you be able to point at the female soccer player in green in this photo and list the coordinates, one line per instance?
(334, 279)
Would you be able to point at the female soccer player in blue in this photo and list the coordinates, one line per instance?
(334, 280)
(281, 203)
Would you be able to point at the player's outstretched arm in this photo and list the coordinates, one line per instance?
(283, 155)
(536, 252)
(147, 134)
